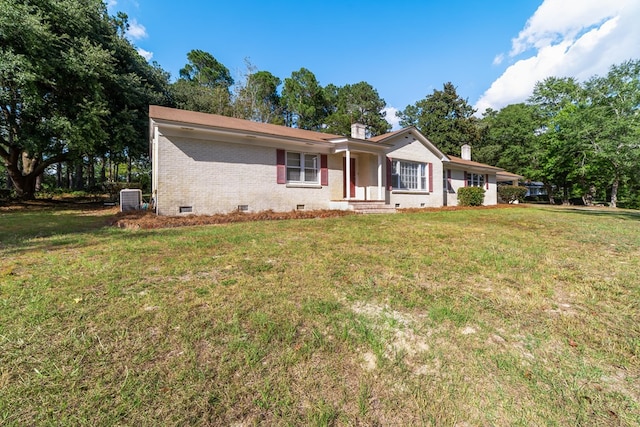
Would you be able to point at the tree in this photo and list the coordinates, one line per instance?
(357, 103)
(66, 70)
(558, 149)
(203, 85)
(508, 138)
(205, 70)
(443, 117)
(304, 101)
(611, 126)
(257, 98)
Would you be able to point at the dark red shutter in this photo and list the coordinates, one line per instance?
(389, 168)
(324, 170)
(486, 180)
(465, 178)
(281, 167)
(430, 177)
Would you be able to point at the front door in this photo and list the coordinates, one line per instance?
(352, 177)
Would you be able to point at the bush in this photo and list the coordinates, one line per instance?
(470, 196)
(512, 193)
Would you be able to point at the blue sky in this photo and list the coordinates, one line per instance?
(493, 51)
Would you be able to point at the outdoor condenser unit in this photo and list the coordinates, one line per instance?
(130, 199)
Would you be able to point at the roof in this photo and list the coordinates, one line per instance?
(215, 121)
(469, 163)
(230, 123)
(384, 136)
(504, 176)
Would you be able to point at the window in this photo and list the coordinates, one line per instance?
(475, 180)
(409, 175)
(302, 167)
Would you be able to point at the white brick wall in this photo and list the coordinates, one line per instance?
(211, 176)
(417, 152)
(457, 181)
(217, 177)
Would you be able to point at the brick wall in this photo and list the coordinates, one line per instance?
(216, 177)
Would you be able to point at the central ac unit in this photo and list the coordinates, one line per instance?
(130, 199)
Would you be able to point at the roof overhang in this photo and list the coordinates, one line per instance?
(234, 135)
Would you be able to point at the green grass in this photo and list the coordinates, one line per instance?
(520, 316)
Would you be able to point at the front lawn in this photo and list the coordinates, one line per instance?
(515, 316)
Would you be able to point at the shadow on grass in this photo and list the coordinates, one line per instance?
(22, 228)
(609, 212)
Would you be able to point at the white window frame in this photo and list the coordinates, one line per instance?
(475, 180)
(302, 169)
(413, 181)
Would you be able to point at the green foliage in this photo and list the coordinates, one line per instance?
(508, 138)
(511, 193)
(189, 96)
(205, 70)
(357, 103)
(70, 85)
(470, 196)
(444, 118)
(257, 97)
(304, 101)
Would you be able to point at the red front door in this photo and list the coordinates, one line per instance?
(352, 177)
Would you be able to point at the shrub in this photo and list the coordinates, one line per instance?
(470, 196)
(512, 193)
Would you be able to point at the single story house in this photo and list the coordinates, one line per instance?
(207, 164)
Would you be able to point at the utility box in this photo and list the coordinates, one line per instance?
(130, 199)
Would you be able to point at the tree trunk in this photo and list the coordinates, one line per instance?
(129, 167)
(23, 179)
(103, 171)
(588, 197)
(78, 182)
(614, 192)
(549, 188)
(91, 172)
(25, 185)
(24, 170)
(59, 182)
(565, 196)
(68, 180)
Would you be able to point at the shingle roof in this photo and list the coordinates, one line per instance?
(508, 176)
(230, 123)
(470, 163)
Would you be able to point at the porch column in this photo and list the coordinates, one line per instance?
(347, 173)
(379, 177)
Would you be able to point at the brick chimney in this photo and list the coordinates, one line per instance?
(466, 152)
(358, 131)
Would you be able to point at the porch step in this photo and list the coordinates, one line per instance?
(371, 207)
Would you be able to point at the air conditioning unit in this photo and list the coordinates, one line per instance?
(130, 199)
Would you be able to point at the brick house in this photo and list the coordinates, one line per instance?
(206, 164)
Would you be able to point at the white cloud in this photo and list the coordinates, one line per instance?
(566, 38)
(111, 4)
(136, 30)
(391, 117)
(145, 53)
(498, 59)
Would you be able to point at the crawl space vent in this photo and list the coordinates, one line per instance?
(130, 199)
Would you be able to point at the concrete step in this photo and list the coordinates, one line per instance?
(370, 207)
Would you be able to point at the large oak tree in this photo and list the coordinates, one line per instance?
(70, 85)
